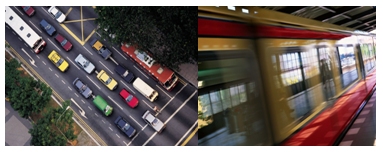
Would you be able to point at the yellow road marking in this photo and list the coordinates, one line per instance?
(87, 19)
(70, 9)
(72, 34)
(89, 36)
(82, 26)
(190, 136)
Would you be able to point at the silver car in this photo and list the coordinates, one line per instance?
(84, 64)
(82, 88)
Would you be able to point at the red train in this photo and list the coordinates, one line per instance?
(276, 79)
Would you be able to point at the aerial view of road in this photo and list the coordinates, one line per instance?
(177, 108)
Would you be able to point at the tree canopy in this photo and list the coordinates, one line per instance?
(54, 128)
(168, 33)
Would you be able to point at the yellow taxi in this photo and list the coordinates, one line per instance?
(58, 61)
(107, 80)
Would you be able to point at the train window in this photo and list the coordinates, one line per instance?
(215, 102)
(206, 105)
(368, 57)
(242, 93)
(290, 68)
(310, 63)
(225, 97)
(348, 70)
(234, 95)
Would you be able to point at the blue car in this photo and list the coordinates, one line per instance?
(47, 27)
(125, 127)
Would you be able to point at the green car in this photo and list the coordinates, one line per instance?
(102, 105)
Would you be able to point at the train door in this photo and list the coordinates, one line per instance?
(327, 78)
(361, 62)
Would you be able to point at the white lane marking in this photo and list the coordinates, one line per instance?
(103, 121)
(50, 68)
(139, 70)
(87, 50)
(69, 88)
(89, 108)
(37, 56)
(22, 41)
(44, 63)
(135, 121)
(63, 81)
(119, 53)
(83, 101)
(131, 90)
(76, 95)
(163, 91)
(110, 128)
(26, 45)
(179, 108)
(191, 128)
(182, 81)
(106, 67)
(127, 144)
(56, 75)
(172, 98)
(54, 44)
(147, 104)
(136, 135)
(93, 82)
(96, 114)
(73, 63)
(19, 11)
(116, 103)
(35, 26)
(10, 28)
(117, 136)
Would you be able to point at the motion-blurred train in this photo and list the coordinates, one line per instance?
(269, 78)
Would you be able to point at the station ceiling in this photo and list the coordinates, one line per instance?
(361, 18)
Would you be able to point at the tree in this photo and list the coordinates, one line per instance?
(12, 75)
(168, 33)
(54, 128)
(30, 96)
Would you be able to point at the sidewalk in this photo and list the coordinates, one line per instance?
(189, 72)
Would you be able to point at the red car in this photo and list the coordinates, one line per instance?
(128, 98)
(29, 10)
(64, 42)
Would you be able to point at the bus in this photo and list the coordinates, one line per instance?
(34, 41)
(145, 89)
(163, 75)
(102, 105)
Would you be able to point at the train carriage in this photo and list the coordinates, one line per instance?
(275, 79)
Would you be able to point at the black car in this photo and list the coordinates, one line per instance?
(124, 73)
(125, 127)
(82, 88)
(48, 27)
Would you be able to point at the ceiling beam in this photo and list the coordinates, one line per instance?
(291, 9)
(355, 17)
(337, 12)
(355, 25)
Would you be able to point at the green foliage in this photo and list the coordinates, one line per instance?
(11, 75)
(54, 128)
(168, 33)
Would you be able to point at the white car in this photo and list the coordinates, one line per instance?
(153, 121)
(84, 64)
(57, 14)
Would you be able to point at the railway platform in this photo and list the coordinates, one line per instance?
(363, 130)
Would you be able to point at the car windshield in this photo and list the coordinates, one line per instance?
(26, 8)
(129, 98)
(83, 87)
(58, 14)
(59, 62)
(63, 42)
(126, 127)
(48, 27)
(155, 121)
(108, 81)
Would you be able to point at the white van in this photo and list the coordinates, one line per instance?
(145, 89)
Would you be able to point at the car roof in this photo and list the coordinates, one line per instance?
(124, 93)
(81, 59)
(79, 83)
(59, 37)
(53, 9)
(149, 117)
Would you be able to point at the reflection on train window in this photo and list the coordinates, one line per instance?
(368, 56)
(290, 68)
(205, 103)
(310, 63)
(348, 70)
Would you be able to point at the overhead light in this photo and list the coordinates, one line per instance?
(231, 8)
(244, 10)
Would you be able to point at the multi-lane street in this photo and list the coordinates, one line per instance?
(178, 107)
